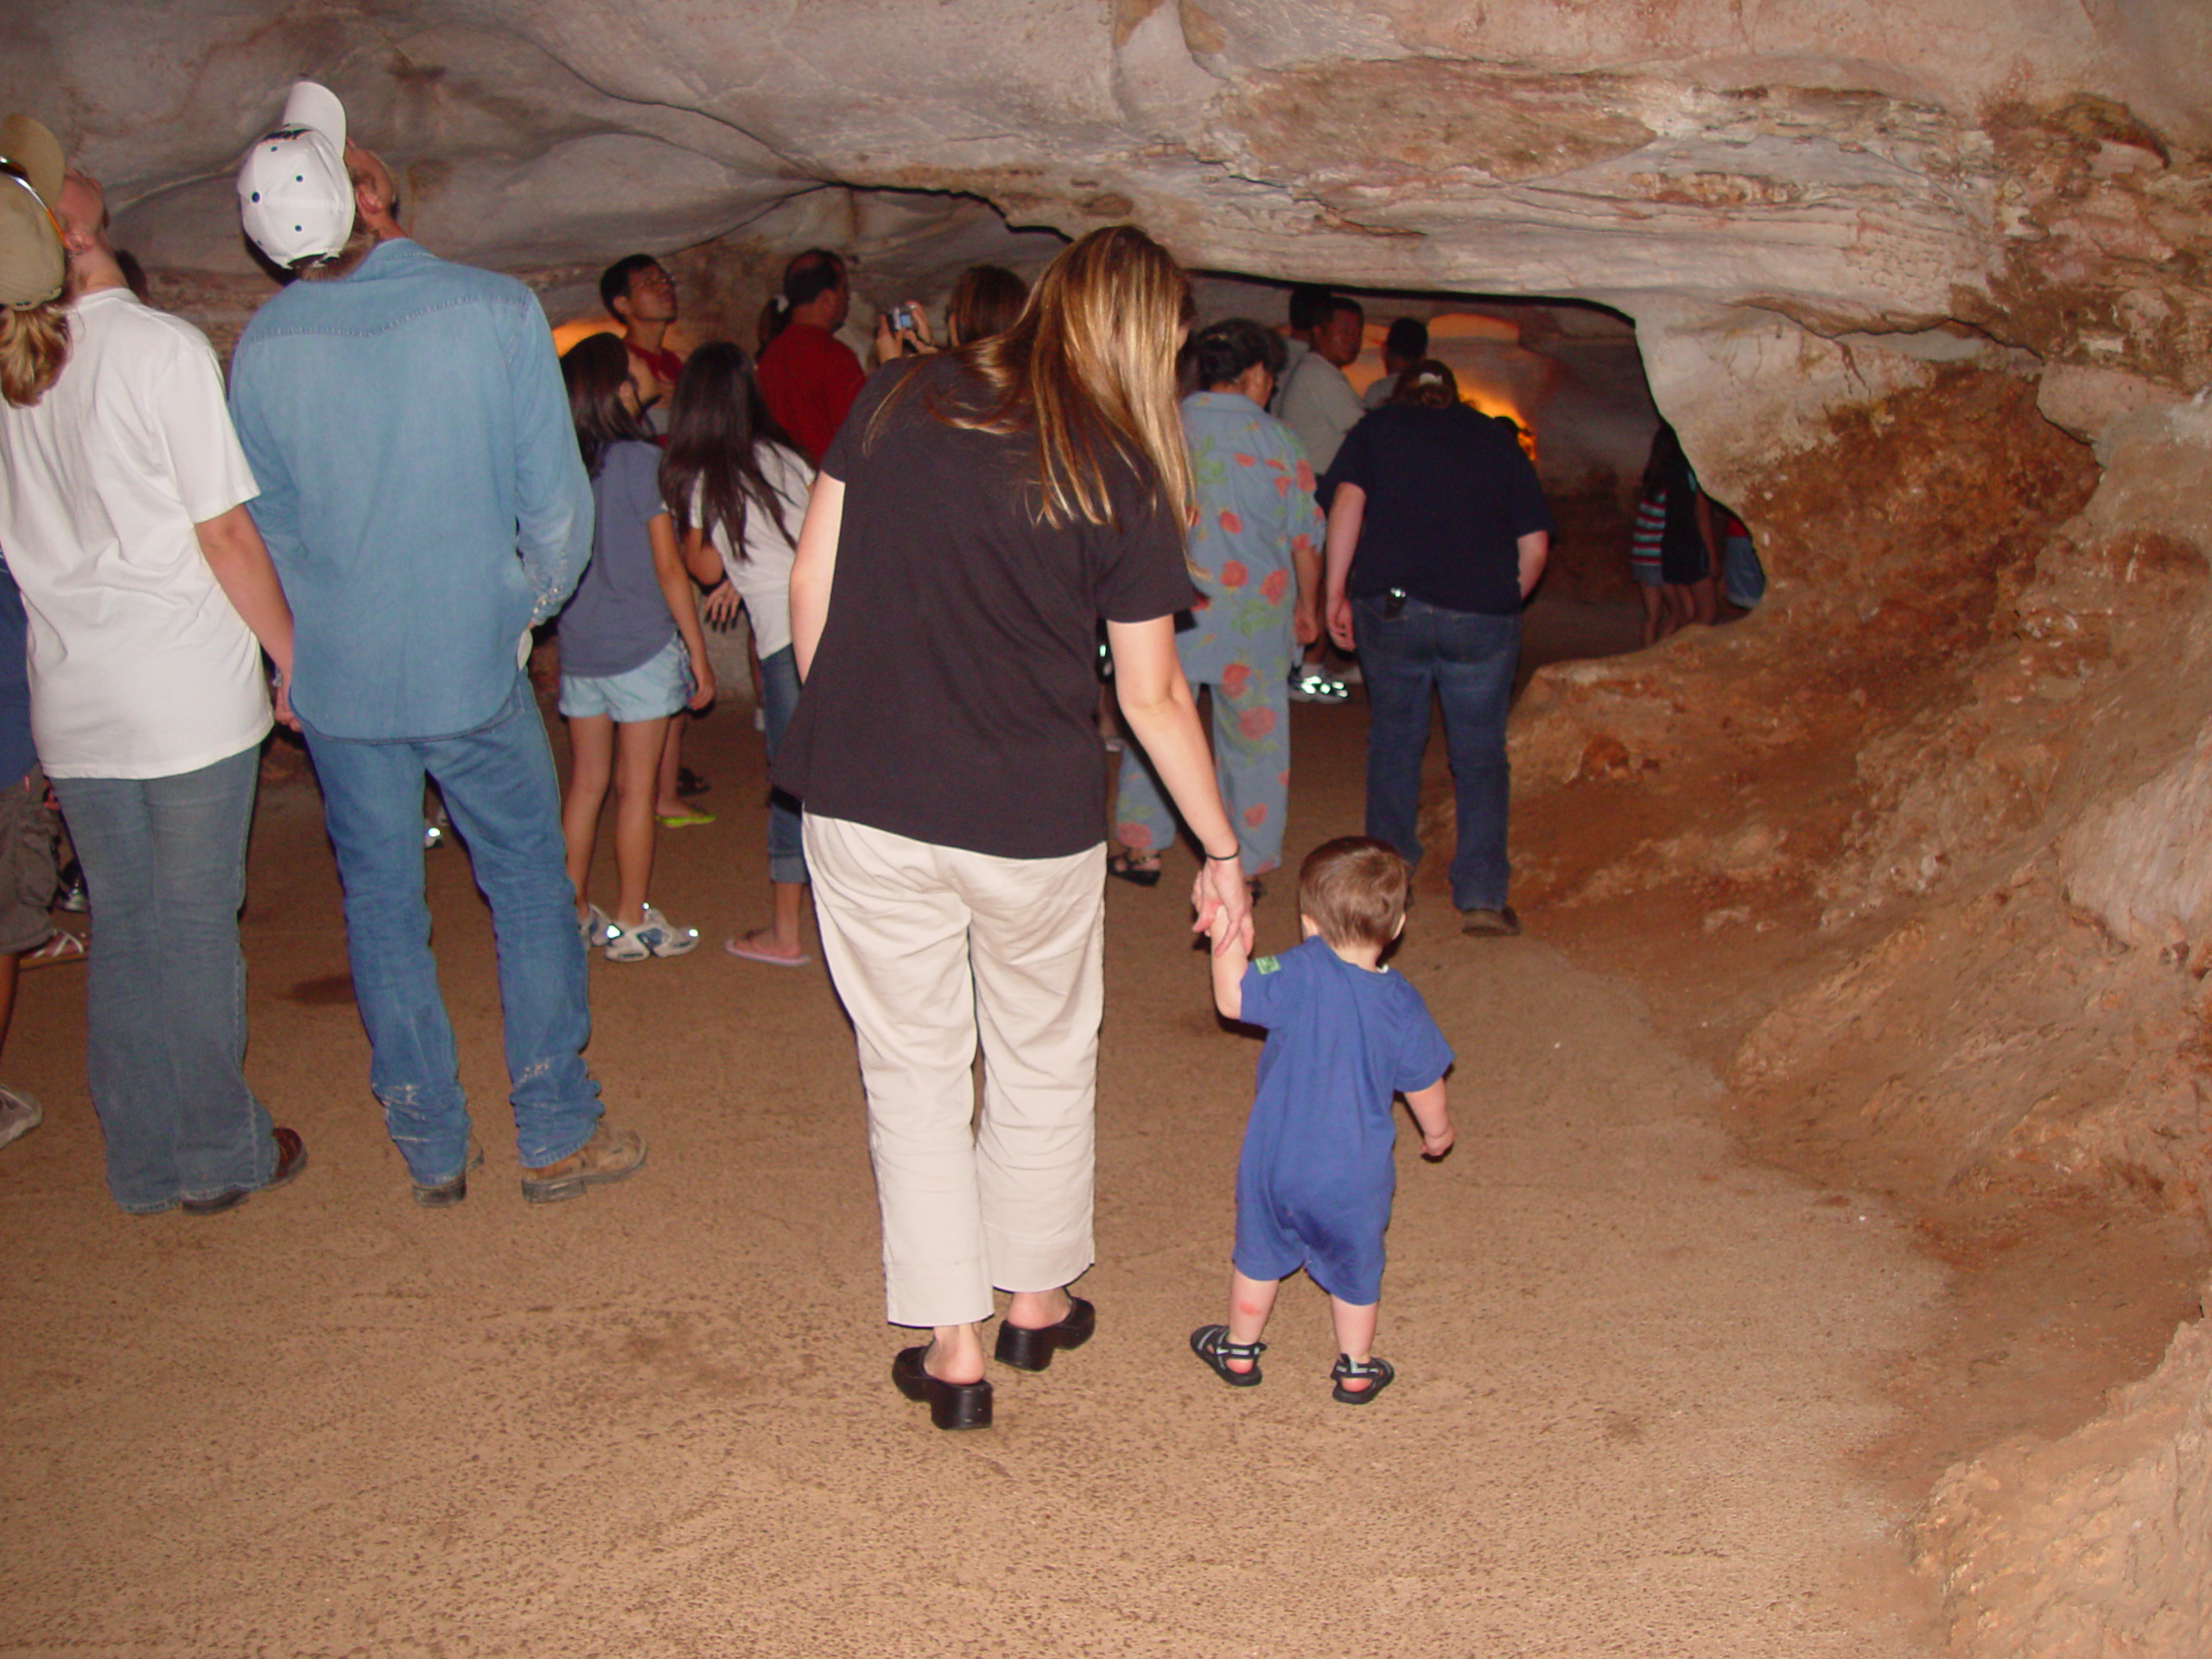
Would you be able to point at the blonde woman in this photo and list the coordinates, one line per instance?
(981, 511)
(150, 599)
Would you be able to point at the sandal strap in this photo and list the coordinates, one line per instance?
(1346, 1366)
(1229, 1349)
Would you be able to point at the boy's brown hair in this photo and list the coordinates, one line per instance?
(1355, 887)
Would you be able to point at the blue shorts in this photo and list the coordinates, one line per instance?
(654, 689)
(1332, 1226)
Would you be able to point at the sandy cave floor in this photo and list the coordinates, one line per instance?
(1647, 1394)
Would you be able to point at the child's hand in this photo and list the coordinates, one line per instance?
(1433, 1147)
(702, 693)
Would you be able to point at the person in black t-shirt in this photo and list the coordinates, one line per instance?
(976, 517)
(1438, 532)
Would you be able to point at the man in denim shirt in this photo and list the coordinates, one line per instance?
(424, 499)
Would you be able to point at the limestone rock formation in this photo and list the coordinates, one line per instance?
(2019, 171)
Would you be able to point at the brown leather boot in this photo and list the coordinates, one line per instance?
(609, 1155)
(291, 1159)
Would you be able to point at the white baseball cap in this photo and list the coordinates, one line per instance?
(294, 194)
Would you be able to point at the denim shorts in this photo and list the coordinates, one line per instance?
(654, 689)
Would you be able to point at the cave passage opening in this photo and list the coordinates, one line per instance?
(1570, 372)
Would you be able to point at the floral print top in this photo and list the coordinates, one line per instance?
(1255, 510)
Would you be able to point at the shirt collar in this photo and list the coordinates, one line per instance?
(394, 251)
(102, 296)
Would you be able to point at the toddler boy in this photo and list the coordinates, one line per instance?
(1314, 1184)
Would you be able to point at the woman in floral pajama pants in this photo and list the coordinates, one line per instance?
(1256, 551)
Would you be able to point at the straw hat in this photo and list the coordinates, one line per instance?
(32, 263)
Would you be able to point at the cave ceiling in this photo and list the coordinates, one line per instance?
(2019, 170)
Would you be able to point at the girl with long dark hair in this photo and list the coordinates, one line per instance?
(631, 654)
(980, 512)
(736, 485)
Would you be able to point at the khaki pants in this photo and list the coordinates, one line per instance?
(928, 946)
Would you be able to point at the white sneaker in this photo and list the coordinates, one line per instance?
(593, 926)
(1311, 685)
(656, 936)
(19, 1116)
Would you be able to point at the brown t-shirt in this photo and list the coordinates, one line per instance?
(953, 696)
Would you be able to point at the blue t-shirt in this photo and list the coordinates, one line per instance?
(1314, 1184)
(619, 619)
(16, 754)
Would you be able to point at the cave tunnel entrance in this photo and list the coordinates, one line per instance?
(1569, 372)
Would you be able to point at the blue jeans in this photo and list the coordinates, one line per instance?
(778, 702)
(1743, 578)
(501, 793)
(164, 861)
(1467, 659)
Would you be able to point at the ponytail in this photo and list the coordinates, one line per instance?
(33, 345)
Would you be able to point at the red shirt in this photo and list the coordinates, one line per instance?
(809, 378)
(664, 362)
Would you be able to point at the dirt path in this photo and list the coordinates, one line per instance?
(1634, 1367)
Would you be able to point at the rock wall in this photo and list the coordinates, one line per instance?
(2012, 168)
(2092, 1546)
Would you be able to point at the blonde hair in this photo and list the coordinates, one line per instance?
(33, 345)
(1087, 369)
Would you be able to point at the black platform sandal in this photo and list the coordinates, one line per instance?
(1126, 866)
(1030, 1348)
(1377, 1373)
(952, 1405)
(1210, 1343)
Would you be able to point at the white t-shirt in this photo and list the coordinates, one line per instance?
(139, 666)
(763, 578)
(1317, 404)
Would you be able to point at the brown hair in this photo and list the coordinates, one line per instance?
(33, 345)
(1355, 887)
(594, 370)
(1088, 369)
(807, 277)
(1427, 384)
(717, 422)
(986, 300)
